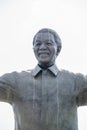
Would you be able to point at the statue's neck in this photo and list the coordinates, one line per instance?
(44, 67)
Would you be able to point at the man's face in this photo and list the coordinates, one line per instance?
(45, 48)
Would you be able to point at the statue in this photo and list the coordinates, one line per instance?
(45, 98)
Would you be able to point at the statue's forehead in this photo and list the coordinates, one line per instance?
(45, 36)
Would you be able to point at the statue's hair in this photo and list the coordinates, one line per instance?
(54, 33)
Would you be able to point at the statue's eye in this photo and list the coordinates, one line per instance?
(49, 43)
(38, 44)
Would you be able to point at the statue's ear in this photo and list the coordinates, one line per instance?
(58, 50)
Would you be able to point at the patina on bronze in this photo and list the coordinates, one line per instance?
(45, 98)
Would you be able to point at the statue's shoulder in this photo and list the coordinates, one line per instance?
(20, 74)
(67, 73)
(26, 72)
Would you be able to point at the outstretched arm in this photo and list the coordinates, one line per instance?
(81, 89)
(7, 87)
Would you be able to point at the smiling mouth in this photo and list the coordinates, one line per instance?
(43, 54)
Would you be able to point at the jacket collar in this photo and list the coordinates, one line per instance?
(37, 69)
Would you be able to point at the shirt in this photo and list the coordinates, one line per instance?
(44, 99)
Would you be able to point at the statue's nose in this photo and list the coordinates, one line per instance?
(43, 46)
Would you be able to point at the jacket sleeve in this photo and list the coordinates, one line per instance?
(7, 85)
(81, 89)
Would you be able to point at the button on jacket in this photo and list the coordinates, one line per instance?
(44, 99)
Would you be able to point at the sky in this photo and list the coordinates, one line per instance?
(21, 19)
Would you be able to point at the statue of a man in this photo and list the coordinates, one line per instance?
(44, 98)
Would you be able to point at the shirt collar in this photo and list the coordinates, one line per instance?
(37, 69)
